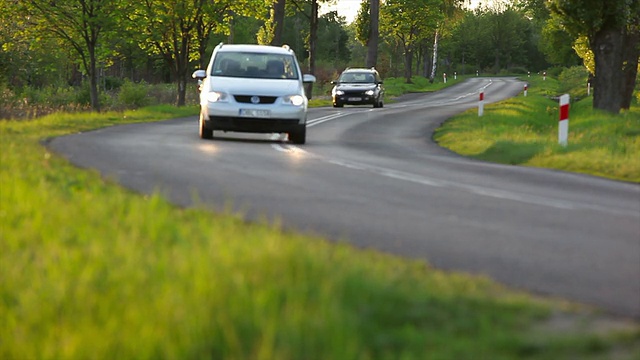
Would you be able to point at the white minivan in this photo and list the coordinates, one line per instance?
(253, 88)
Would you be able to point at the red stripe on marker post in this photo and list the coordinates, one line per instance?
(481, 104)
(563, 125)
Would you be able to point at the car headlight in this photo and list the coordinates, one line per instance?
(338, 92)
(295, 100)
(369, 92)
(216, 96)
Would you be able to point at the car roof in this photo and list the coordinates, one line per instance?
(254, 48)
(348, 70)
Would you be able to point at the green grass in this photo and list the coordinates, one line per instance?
(524, 131)
(398, 86)
(91, 270)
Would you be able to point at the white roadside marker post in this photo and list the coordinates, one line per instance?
(525, 89)
(444, 76)
(481, 104)
(455, 75)
(563, 125)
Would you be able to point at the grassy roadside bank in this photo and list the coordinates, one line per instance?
(524, 131)
(90, 270)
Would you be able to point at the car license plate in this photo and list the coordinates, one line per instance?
(256, 113)
(355, 99)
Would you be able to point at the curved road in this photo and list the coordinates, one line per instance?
(374, 178)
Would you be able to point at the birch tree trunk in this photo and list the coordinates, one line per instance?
(435, 57)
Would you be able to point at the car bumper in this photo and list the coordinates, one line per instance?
(255, 125)
(228, 117)
(354, 99)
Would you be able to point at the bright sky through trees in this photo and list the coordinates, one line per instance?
(349, 8)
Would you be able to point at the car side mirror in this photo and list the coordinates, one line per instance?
(308, 78)
(199, 74)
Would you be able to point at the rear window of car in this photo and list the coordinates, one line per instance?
(254, 65)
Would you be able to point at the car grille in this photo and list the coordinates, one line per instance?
(247, 99)
(355, 92)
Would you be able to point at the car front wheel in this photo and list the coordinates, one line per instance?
(205, 132)
(299, 136)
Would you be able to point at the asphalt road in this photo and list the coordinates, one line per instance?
(374, 178)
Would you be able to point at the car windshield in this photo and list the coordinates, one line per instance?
(354, 77)
(254, 65)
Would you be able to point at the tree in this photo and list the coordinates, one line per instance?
(409, 22)
(367, 25)
(374, 35)
(450, 10)
(613, 35)
(557, 44)
(470, 40)
(332, 39)
(279, 14)
(82, 24)
(271, 31)
(362, 23)
(312, 39)
(174, 29)
(505, 29)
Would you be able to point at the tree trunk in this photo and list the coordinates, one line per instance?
(374, 33)
(182, 90)
(435, 57)
(278, 17)
(496, 62)
(630, 56)
(181, 69)
(408, 64)
(313, 38)
(606, 45)
(93, 79)
(232, 27)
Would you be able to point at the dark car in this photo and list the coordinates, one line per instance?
(358, 87)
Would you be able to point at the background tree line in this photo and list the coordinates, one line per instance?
(97, 45)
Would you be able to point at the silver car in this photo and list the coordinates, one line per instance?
(253, 88)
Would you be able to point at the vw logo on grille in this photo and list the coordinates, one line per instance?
(255, 99)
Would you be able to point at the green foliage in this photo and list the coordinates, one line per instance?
(34, 102)
(133, 94)
(363, 23)
(266, 33)
(586, 17)
(494, 39)
(334, 40)
(518, 70)
(91, 270)
(573, 81)
(557, 43)
(583, 50)
(409, 21)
